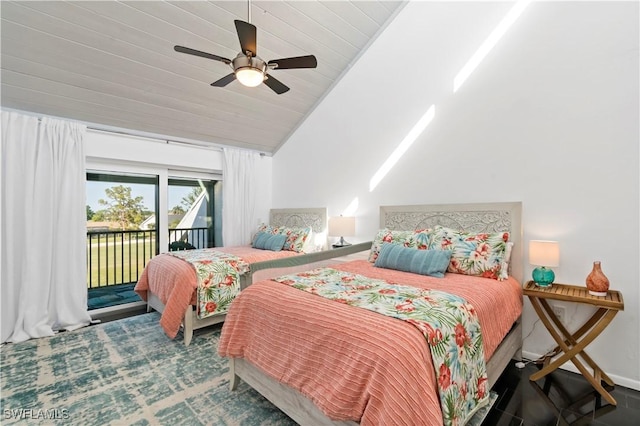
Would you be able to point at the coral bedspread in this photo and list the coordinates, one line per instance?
(174, 281)
(355, 364)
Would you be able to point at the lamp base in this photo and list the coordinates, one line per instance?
(543, 277)
(341, 243)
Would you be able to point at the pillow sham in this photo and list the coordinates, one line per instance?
(423, 238)
(478, 254)
(402, 238)
(424, 262)
(296, 238)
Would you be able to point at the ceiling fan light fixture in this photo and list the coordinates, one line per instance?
(250, 71)
(249, 76)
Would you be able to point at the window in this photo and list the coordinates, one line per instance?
(191, 213)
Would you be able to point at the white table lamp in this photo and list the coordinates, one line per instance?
(342, 226)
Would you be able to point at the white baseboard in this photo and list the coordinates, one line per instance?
(568, 366)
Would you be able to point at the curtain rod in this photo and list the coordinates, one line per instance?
(154, 139)
(196, 144)
(157, 138)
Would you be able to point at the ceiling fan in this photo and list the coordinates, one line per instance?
(248, 68)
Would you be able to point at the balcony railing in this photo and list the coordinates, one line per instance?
(188, 238)
(119, 257)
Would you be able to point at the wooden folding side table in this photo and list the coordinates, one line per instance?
(572, 345)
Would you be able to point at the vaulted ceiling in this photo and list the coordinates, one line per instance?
(112, 64)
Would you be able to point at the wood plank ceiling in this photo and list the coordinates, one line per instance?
(111, 64)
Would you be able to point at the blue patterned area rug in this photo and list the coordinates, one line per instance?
(127, 372)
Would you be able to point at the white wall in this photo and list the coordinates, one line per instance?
(123, 148)
(549, 118)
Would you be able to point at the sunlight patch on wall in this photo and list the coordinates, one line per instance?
(488, 44)
(403, 147)
(351, 208)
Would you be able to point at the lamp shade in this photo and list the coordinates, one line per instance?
(544, 253)
(342, 226)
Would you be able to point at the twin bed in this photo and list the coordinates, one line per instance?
(322, 361)
(193, 288)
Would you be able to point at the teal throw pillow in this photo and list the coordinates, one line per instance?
(261, 240)
(424, 262)
(275, 242)
(266, 241)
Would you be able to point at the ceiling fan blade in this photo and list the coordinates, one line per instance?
(275, 85)
(247, 36)
(308, 61)
(190, 51)
(224, 80)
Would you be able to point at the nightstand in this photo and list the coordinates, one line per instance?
(571, 346)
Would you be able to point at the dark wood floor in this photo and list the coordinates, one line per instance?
(561, 398)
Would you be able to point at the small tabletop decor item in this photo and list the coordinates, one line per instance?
(544, 255)
(597, 281)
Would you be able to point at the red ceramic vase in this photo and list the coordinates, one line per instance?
(597, 281)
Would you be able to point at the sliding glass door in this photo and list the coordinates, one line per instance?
(121, 234)
(126, 226)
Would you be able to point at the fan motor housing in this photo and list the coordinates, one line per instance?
(242, 61)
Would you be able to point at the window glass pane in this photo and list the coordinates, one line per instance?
(190, 217)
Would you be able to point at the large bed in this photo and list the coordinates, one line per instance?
(172, 283)
(323, 362)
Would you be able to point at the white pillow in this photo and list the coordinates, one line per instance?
(504, 271)
(316, 241)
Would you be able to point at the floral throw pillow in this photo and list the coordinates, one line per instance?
(296, 238)
(403, 238)
(264, 229)
(478, 254)
(422, 238)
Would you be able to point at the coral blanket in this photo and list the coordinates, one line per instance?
(175, 282)
(449, 324)
(355, 364)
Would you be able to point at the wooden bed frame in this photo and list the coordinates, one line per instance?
(291, 218)
(488, 217)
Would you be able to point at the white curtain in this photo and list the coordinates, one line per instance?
(238, 196)
(43, 227)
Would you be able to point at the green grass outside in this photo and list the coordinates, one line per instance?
(117, 260)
